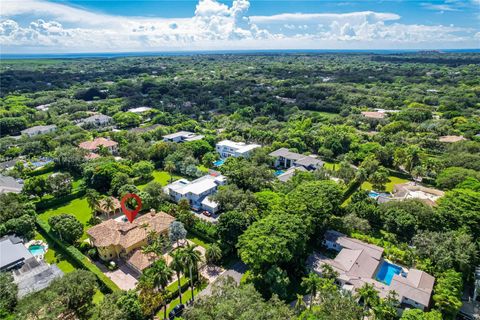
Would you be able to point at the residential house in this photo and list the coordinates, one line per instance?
(37, 130)
(228, 148)
(197, 192)
(98, 120)
(29, 274)
(9, 184)
(359, 263)
(139, 110)
(374, 114)
(120, 239)
(287, 159)
(182, 136)
(7, 165)
(94, 146)
(289, 173)
(451, 139)
(411, 190)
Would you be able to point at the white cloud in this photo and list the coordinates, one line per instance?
(36, 25)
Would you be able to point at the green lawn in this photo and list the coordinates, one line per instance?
(388, 187)
(202, 168)
(330, 166)
(78, 207)
(52, 257)
(197, 241)
(162, 177)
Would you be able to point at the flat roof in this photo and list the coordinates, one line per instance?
(12, 253)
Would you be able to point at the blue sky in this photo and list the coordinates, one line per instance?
(40, 26)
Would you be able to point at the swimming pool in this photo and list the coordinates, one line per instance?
(37, 250)
(373, 194)
(387, 271)
(218, 163)
(279, 172)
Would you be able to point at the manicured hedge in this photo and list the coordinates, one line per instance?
(204, 230)
(45, 169)
(106, 285)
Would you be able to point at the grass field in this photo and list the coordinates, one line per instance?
(331, 166)
(162, 177)
(388, 187)
(78, 207)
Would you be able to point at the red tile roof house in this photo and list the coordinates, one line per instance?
(93, 146)
(116, 239)
(358, 263)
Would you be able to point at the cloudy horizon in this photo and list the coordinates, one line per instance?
(36, 26)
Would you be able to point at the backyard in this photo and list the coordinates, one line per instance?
(388, 186)
(77, 207)
(162, 177)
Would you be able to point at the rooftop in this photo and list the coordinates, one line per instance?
(240, 147)
(97, 118)
(36, 129)
(126, 234)
(185, 135)
(451, 139)
(354, 244)
(198, 186)
(13, 252)
(9, 184)
(374, 114)
(139, 109)
(93, 145)
(358, 264)
(34, 276)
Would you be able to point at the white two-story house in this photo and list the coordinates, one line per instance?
(197, 192)
(228, 148)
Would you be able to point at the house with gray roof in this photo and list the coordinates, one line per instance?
(29, 274)
(37, 130)
(182, 136)
(98, 120)
(294, 161)
(285, 158)
(358, 263)
(13, 253)
(9, 184)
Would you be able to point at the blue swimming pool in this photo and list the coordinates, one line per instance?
(37, 250)
(387, 271)
(279, 172)
(218, 163)
(373, 194)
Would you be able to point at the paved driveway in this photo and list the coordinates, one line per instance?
(236, 272)
(124, 277)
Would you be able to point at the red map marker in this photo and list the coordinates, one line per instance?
(131, 214)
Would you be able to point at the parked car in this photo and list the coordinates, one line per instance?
(206, 213)
(176, 312)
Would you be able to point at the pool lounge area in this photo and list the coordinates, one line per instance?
(387, 271)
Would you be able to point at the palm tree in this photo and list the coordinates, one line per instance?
(299, 305)
(178, 266)
(161, 274)
(369, 295)
(311, 285)
(93, 198)
(191, 258)
(170, 168)
(213, 254)
(109, 205)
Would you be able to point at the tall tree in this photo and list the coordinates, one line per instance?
(178, 265)
(311, 285)
(191, 258)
